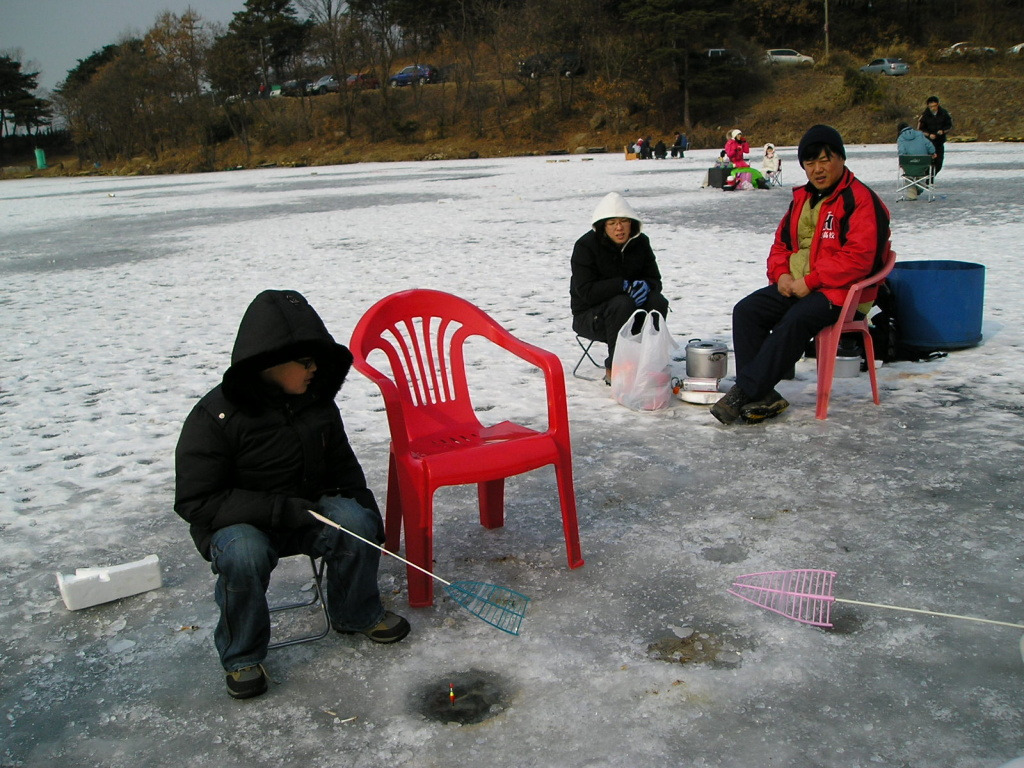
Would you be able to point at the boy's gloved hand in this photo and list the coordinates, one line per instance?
(639, 291)
(295, 513)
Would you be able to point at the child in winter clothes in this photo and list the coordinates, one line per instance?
(771, 164)
(257, 452)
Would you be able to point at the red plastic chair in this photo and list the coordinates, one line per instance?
(826, 343)
(436, 438)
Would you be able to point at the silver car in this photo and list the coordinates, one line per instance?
(887, 67)
(786, 56)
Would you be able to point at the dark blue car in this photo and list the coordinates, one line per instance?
(416, 74)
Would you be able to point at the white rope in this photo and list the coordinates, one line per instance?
(930, 613)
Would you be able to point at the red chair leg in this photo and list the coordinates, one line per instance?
(393, 509)
(826, 345)
(491, 494)
(419, 549)
(567, 500)
(869, 356)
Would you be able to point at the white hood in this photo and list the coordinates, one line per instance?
(614, 206)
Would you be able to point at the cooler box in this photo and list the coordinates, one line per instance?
(717, 177)
(938, 303)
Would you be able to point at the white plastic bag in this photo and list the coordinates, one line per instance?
(641, 379)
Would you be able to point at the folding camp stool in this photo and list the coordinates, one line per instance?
(916, 172)
(318, 596)
(585, 356)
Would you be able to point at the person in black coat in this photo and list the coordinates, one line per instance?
(614, 273)
(254, 455)
(935, 123)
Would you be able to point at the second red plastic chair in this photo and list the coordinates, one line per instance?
(436, 438)
(826, 343)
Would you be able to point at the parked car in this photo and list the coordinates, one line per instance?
(786, 56)
(296, 88)
(326, 84)
(892, 67)
(362, 80)
(724, 56)
(1016, 50)
(967, 49)
(418, 74)
(541, 64)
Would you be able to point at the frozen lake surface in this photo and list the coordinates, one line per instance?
(121, 301)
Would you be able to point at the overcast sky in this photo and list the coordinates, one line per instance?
(51, 36)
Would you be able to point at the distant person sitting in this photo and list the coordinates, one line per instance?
(912, 142)
(660, 150)
(679, 145)
(771, 165)
(614, 273)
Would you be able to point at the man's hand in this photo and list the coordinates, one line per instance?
(800, 289)
(789, 286)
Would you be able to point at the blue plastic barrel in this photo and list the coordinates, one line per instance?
(938, 303)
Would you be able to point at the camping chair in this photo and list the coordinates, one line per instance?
(916, 173)
(826, 343)
(586, 355)
(774, 178)
(317, 596)
(436, 437)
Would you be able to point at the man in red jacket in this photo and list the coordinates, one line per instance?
(835, 233)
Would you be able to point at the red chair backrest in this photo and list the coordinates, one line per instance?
(853, 296)
(422, 333)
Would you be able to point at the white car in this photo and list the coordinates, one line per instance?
(967, 49)
(786, 56)
(1016, 50)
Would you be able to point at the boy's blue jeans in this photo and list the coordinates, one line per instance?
(244, 556)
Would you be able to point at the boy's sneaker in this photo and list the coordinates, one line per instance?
(247, 682)
(390, 629)
(768, 407)
(727, 409)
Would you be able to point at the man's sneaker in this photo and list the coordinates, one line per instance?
(391, 629)
(247, 682)
(727, 409)
(768, 407)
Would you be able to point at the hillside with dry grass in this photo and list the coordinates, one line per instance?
(985, 99)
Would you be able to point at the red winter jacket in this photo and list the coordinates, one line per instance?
(850, 243)
(735, 150)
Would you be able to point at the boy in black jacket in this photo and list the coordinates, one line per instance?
(254, 455)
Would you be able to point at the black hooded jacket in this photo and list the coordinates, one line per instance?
(599, 266)
(248, 453)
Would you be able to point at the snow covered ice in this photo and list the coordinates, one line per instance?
(122, 297)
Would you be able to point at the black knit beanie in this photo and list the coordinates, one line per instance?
(821, 134)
